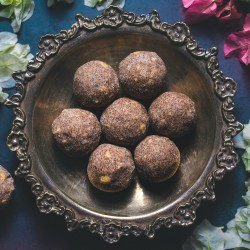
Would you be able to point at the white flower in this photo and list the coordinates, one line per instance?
(13, 57)
(17, 10)
(103, 4)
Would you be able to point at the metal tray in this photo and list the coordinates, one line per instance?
(60, 184)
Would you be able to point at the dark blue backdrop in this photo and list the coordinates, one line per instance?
(23, 227)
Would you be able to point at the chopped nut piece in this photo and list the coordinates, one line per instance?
(105, 179)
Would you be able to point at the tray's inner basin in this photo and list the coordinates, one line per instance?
(55, 94)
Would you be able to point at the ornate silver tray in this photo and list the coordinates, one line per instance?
(60, 184)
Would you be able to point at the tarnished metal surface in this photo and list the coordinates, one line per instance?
(60, 183)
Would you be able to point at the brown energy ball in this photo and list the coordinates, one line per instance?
(125, 122)
(142, 74)
(76, 131)
(172, 114)
(110, 168)
(6, 186)
(95, 84)
(157, 158)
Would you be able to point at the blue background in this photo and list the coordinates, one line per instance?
(23, 227)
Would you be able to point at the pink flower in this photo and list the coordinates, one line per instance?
(228, 13)
(238, 44)
(199, 10)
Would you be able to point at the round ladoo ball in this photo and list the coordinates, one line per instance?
(95, 84)
(157, 158)
(125, 122)
(110, 168)
(142, 74)
(6, 186)
(172, 114)
(76, 131)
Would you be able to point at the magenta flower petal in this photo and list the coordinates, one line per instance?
(247, 23)
(187, 3)
(200, 10)
(232, 45)
(237, 44)
(219, 2)
(246, 57)
(228, 14)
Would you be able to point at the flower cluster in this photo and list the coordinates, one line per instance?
(237, 44)
(242, 140)
(13, 57)
(199, 10)
(98, 4)
(103, 4)
(17, 10)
